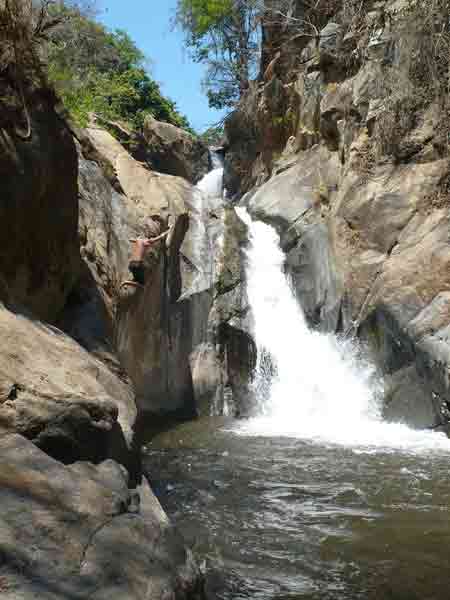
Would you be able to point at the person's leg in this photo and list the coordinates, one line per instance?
(137, 269)
(130, 283)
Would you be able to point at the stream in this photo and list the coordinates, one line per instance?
(314, 496)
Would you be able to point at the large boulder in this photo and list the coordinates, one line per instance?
(169, 149)
(55, 393)
(79, 532)
(151, 192)
(39, 251)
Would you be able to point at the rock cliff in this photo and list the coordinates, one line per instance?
(156, 329)
(342, 146)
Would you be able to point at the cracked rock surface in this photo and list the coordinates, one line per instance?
(76, 532)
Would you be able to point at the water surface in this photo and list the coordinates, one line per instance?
(281, 518)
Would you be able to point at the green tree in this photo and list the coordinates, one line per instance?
(103, 72)
(223, 34)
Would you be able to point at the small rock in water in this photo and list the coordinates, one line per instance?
(135, 504)
(220, 484)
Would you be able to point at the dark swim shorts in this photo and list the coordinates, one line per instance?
(137, 268)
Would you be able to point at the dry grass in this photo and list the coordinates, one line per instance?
(438, 199)
(4, 585)
(419, 74)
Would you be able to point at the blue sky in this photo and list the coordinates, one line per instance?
(148, 23)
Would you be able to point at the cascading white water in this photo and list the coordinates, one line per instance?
(201, 243)
(211, 186)
(319, 388)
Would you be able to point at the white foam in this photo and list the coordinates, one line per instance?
(322, 390)
(211, 184)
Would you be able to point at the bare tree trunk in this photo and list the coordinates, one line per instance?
(243, 48)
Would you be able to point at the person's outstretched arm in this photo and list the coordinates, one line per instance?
(162, 236)
(150, 241)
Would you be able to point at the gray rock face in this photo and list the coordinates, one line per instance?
(241, 151)
(79, 532)
(169, 149)
(230, 322)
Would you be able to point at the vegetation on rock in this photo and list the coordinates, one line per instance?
(98, 71)
(92, 69)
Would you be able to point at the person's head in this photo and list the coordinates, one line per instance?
(153, 226)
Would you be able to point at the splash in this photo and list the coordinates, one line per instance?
(211, 187)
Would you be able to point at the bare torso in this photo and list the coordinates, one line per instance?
(139, 248)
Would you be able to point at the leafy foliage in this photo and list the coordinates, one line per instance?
(103, 72)
(213, 136)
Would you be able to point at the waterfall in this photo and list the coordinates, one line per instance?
(308, 384)
(211, 184)
(199, 247)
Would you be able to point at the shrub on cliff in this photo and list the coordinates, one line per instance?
(95, 70)
(92, 69)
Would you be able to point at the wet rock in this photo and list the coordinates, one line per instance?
(409, 400)
(231, 320)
